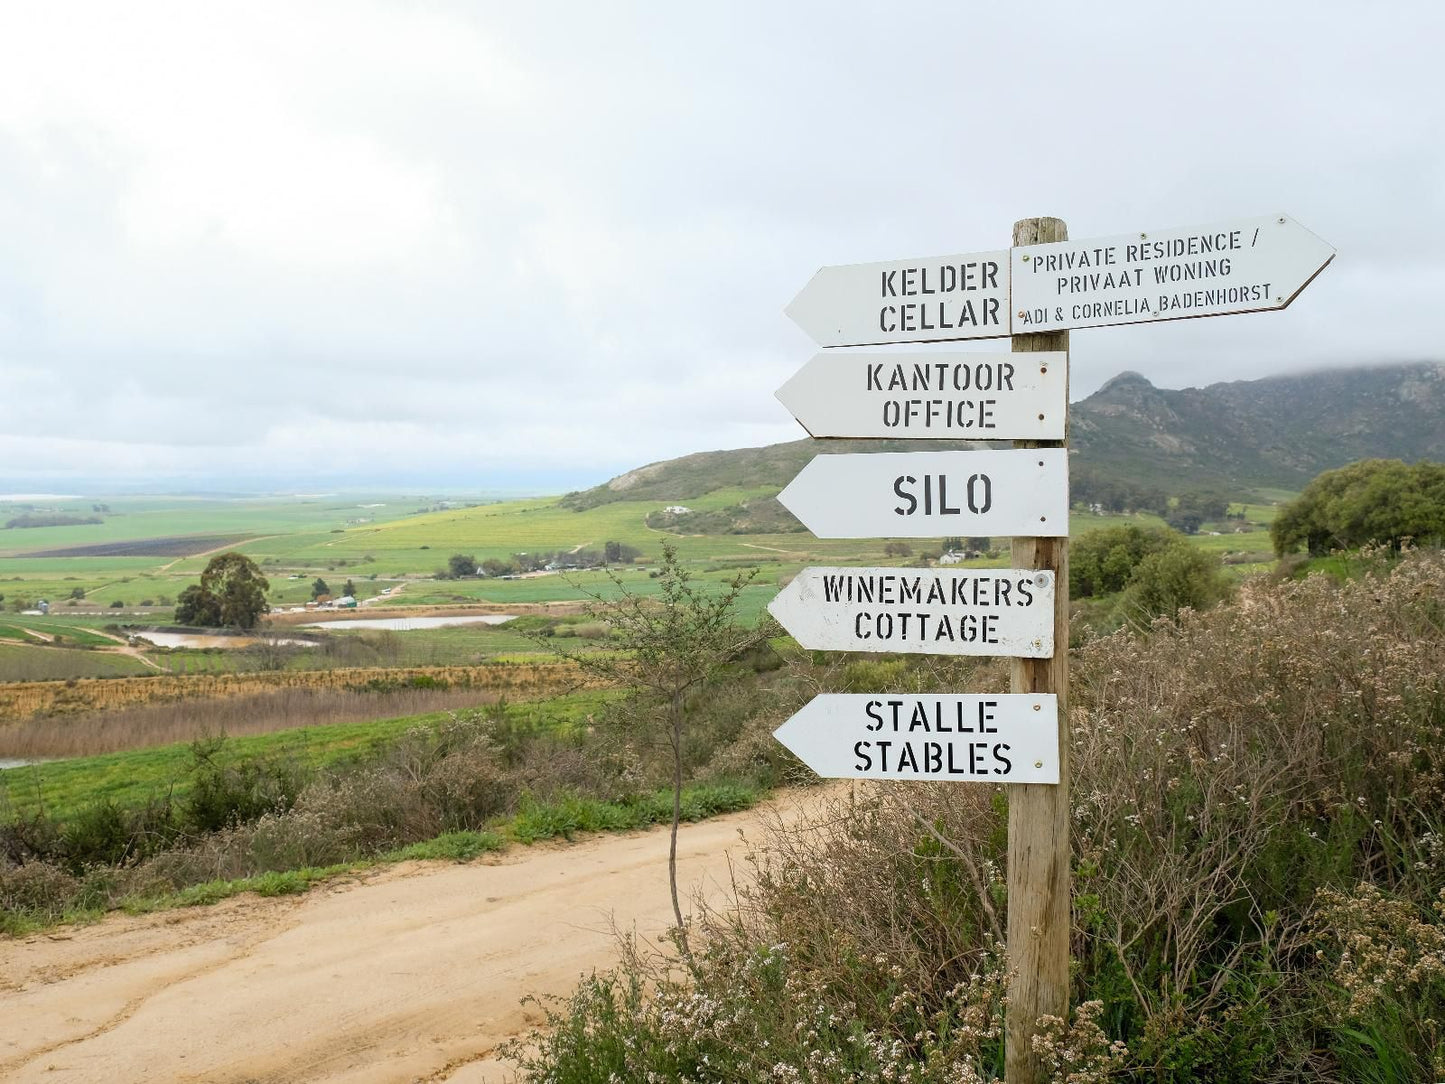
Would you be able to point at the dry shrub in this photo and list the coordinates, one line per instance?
(879, 877)
(1227, 767)
(36, 890)
(752, 1014)
(25, 699)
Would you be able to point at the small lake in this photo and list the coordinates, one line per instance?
(408, 624)
(201, 640)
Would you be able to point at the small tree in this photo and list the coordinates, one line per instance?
(232, 592)
(460, 565)
(349, 589)
(1171, 579)
(669, 644)
(319, 587)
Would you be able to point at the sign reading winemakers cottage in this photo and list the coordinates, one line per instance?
(930, 611)
(1035, 292)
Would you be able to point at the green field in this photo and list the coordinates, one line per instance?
(399, 543)
(60, 788)
(21, 662)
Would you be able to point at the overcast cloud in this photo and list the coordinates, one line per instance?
(536, 244)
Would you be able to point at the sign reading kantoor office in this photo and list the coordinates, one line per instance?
(933, 611)
(988, 738)
(1247, 265)
(990, 491)
(971, 396)
(934, 299)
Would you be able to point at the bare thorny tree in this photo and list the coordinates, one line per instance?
(665, 645)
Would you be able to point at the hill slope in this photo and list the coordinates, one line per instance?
(1278, 432)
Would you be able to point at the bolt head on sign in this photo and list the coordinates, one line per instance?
(952, 396)
(987, 491)
(1248, 265)
(1003, 612)
(934, 737)
(933, 299)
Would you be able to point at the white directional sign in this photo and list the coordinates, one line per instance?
(935, 299)
(1004, 612)
(989, 491)
(1243, 266)
(952, 396)
(989, 738)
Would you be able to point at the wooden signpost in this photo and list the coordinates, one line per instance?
(1035, 291)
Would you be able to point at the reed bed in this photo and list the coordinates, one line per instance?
(22, 700)
(120, 729)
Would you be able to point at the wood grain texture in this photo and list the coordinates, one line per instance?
(1038, 828)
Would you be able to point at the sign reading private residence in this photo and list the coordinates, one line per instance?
(1247, 265)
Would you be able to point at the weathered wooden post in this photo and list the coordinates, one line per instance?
(1038, 819)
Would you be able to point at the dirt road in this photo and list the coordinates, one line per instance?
(414, 973)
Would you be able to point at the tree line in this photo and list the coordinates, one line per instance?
(1381, 501)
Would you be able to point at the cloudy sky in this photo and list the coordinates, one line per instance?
(534, 244)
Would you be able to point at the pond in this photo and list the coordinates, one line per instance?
(407, 624)
(204, 640)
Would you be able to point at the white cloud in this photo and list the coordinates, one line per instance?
(276, 237)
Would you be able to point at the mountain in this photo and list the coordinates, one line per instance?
(1276, 433)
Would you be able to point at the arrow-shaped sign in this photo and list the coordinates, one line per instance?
(946, 396)
(1004, 612)
(989, 738)
(1247, 265)
(988, 491)
(907, 301)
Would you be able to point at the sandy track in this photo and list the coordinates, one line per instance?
(414, 973)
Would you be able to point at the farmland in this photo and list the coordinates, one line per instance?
(110, 580)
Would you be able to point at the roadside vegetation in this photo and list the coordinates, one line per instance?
(192, 823)
(1259, 880)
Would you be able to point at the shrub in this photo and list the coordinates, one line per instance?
(1170, 580)
(1102, 562)
(226, 794)
(34, 891)
(1238, 774)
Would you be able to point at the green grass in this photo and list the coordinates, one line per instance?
(62, 788)
(453, 847)
(571, 814)
(21, 662)
(563, 818)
